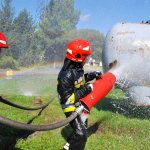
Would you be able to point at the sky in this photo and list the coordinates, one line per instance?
(98, 14)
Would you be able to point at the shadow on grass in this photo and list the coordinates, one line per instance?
(124, 107)
(92, 129)
(95, 127)
(10, 135)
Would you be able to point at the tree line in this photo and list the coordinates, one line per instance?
(43, 41)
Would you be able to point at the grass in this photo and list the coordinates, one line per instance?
(114, 124)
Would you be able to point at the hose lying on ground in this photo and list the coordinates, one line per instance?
(30, 127)
(25, 108)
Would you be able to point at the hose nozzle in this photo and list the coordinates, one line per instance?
(79, 109)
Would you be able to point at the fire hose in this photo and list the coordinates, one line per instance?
(101, 87)
(30, 127)
(25, 108)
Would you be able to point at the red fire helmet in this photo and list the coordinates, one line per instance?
(78, 50)
(3, 41)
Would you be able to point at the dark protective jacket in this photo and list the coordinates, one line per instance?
(71, 85)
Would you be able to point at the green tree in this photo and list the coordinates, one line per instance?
(57, 19)
(23, 33)
(8, 62)
(6, 16)
(35, 53)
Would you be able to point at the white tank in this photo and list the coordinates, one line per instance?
(128, 44)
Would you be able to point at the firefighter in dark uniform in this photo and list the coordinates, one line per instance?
(72, 86)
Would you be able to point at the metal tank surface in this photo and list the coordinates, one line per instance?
(128, 46)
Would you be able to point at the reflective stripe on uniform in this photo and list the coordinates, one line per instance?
(69, 109)
(71, 99)
(66, 146)
(79, 84)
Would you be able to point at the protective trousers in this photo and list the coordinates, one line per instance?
(78, 138)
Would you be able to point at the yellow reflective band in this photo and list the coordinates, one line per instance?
(72, 98)
(69, 109)
(79, 84)
(83, 82)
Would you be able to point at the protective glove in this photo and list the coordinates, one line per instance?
(93, 75)
(87, 88)
(83, 91)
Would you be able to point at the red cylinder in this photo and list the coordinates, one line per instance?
(101, 87)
